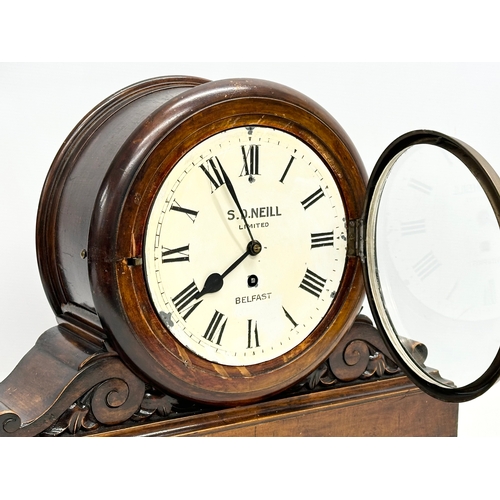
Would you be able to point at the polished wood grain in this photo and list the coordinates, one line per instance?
(389, 408)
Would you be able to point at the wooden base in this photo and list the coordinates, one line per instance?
(390, 407)
(72, 383)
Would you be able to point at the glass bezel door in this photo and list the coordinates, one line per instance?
(432, 246)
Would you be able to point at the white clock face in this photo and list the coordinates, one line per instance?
(224, 303)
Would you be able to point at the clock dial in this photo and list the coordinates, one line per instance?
(245, 245)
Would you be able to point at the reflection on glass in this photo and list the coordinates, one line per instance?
(436, 245)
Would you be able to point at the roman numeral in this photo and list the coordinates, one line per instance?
(212, 171)
(183, 300)
(190, 213)
(412, 227)
(253, 335)
(250, 160)
(310, 200)
(322, 239)
(215, 327)
(287, 169)
(313, 283)
(289, 317)
(426, 266)
(168, 255)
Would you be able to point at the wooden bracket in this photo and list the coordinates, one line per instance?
(68, 385)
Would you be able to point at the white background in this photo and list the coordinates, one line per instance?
(375, 103)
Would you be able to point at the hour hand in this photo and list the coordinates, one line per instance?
(215, 281)
(212, 284)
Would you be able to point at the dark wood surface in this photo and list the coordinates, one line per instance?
(72, 384)
(389, 408)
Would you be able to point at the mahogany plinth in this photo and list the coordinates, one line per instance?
(386, 408)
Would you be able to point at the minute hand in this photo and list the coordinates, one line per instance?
(232, 192)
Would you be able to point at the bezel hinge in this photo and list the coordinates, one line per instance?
(356, 239)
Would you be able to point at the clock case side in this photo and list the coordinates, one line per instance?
(490, 183)
(73, 361)
(70, 189)
(117, 233)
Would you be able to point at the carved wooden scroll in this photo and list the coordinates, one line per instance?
(68, 385)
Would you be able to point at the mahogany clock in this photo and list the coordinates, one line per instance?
(202, 227)
(218, 238)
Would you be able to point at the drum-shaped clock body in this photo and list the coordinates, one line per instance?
(205, 229)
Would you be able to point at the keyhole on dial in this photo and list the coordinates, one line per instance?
(253, 281)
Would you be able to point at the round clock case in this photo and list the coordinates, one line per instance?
(146, 220)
